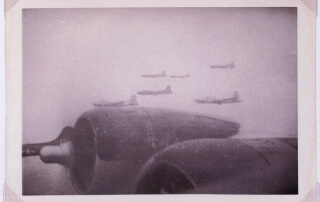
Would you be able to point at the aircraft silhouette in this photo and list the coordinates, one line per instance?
(167, 90)
(131, 101)
(231, 65)
(163, 74)
(180, 76)
(210, 100)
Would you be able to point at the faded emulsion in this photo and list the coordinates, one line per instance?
(160, 101)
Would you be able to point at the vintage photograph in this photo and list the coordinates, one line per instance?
(166, 100)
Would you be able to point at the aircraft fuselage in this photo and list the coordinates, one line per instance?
(223, 101)
(149, 92)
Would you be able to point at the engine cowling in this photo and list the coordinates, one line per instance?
(108, 146)
(222, 166)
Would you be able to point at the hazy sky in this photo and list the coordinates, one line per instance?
(73, 57)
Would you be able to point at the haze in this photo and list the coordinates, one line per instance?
(74, 57)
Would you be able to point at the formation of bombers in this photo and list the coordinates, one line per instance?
(167, 90)
(205, 100)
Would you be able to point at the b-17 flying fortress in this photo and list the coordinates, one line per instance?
(167, 90)
(210, 100)
(231, 65)
(206, 100)
(130, 102)
(180, 76)
(163, 74)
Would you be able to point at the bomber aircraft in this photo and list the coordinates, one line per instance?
(210, 100)
(131, 101)
(231, 65)
(180, 76)
(167, 90)
(163, 74)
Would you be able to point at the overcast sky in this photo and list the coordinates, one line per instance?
(73, 57)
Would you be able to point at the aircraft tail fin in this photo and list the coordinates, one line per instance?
(236, 95)
(163, 73)
(133, 100)
(232, 64)
(168, 89)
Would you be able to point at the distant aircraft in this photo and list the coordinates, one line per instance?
(131, 101)
(29, 151)
(210, 100)
(167, 90)
(180, 76)
(163, 74)
(224, 66)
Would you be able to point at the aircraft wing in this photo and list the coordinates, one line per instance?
(137, 150)
(222, 166)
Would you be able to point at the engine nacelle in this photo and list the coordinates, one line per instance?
(223, 166)
(108, 146)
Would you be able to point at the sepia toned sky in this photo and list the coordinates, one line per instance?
(74, 57)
